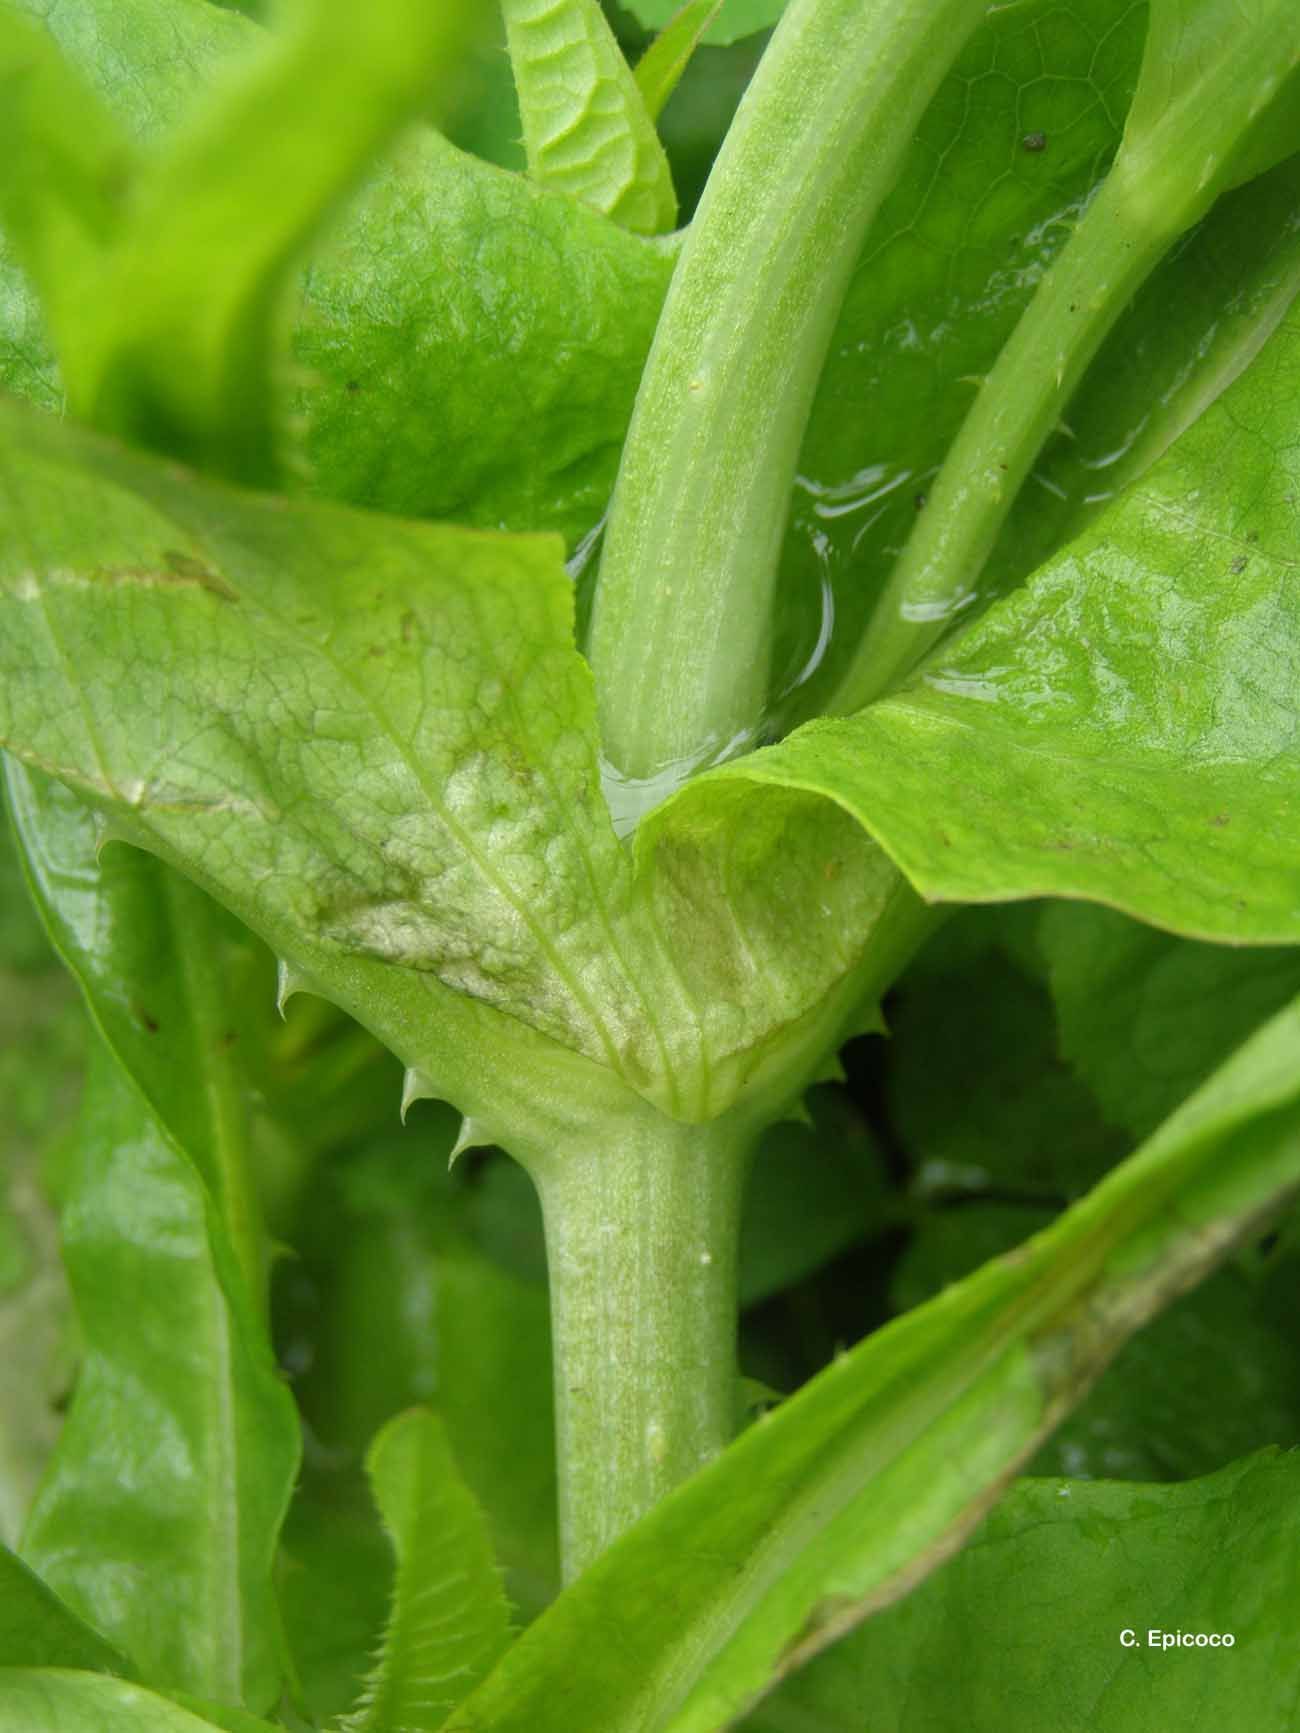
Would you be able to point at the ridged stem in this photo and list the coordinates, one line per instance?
(681, 622)
(641, 1234)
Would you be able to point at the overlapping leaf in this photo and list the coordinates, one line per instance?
(1057, 1573)
(449, 1621)
(527, 420)
(1122, 730)
(178, 1454)
(71, 1702)
(895, 1449)
(586, 126)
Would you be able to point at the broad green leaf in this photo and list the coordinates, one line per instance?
(1056, 1574)
(37, 1630)
(42, 1053)
(44, 1700)
(738, 18)
(660, 68)
(1143, 1017)
(1122, 729)
(851, 1491)
(64, 170)
(409, 827)
(563, 303)
(587, 128)
(407, 795)
(449, 1620)
(179, 349)
(158, 1517)
(153, 960)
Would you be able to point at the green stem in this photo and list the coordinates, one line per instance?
(641, 1233)
(681, 624)
(1176, 156)
(1020, 403)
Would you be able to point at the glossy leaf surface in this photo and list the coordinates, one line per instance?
(152, 959)
(37, 1630)
(1123, 729)
(181, 1445)
(52, 1701)
(901, 1444)
(1055, 1574)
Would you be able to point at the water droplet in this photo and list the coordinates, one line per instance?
(937, 608)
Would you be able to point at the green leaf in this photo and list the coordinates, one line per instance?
(738, 18)
(1056, 1574)
(37, 1630)
(178, 349)
(1195, 326)
(1121, 729)
(460, 747)
(416, 1307)
(404, 800)
(384, 372)
(1210, 1379)
(181, 1445)
(153, 961)
(64, 170)
(42, 1054)
(1143, 1017)
(659, 70)
(1207, 74)
(50, 1701)
(899, 1446)
(449, 1621)
(587, 127)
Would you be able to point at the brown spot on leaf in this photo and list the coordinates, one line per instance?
(1034, 142)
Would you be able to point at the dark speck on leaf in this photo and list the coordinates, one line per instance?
(408, 626)
(1034, 142)
(1239, 564)
(918, 500)
(1219, 820)
(354, 385)
(191, 571)
(147, 1022)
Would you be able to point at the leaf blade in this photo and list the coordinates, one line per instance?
(587, 127)
(444, 1632)
(961, 1389)
(171, 1352)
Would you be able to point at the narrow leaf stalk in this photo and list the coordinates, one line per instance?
(1166, 176)
(681, 623)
